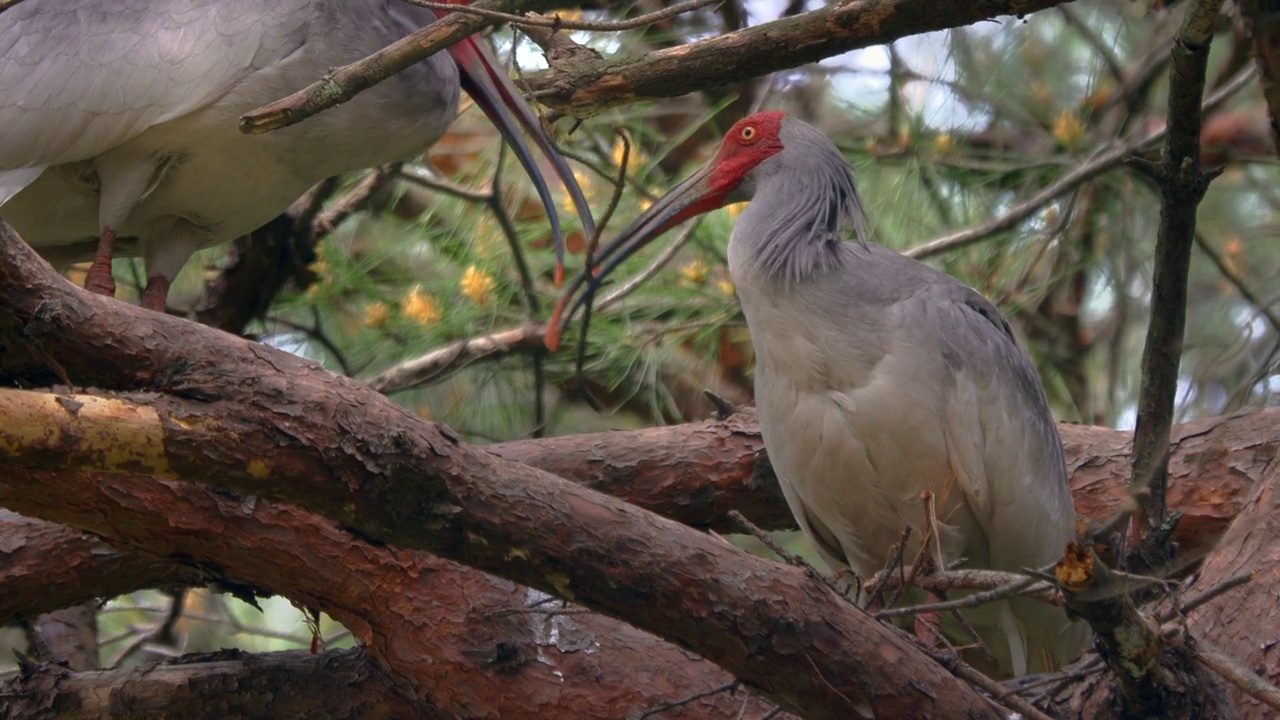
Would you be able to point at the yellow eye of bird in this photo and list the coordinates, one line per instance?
(748, 133)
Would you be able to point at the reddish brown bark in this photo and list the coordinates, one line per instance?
(50, 566)
(1243, 623)
(585, 86)
(247, 418)
(403, 605)
(346, 683)
(351, 455)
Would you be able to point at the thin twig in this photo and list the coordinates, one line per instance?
(658, 709)
(428, 179)
(1249, 682)
(965, 672)
(1100, 162)
(442, 362)
(967, 601)
(1183, 183)
(767, 540)
(354, 200)
(1237, 282)
(555, 22)
(1194, 603)
(528, 295)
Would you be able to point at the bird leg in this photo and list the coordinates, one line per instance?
(156, 296)
(100, 280)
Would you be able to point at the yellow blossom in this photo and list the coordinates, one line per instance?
(477, 284)
(695, 272)
(376, 314)
(635, 157)
(725, 286)
(588, 191)
(943, 144)
(421, 307)
(1068, 130)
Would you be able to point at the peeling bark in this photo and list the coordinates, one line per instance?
(1245, 623)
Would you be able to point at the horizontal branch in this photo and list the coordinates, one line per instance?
(229, 683)
(583, 86)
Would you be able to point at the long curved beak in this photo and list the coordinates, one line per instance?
(498, 98)
(692, 197)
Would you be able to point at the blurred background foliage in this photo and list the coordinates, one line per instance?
(946, 132)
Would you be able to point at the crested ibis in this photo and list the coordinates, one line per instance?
(118, 120)
(878, 378)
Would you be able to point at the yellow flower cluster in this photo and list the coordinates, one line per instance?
(477, 284)
(376, 315)
(695, 272)
(421, 307)
(1069, 130)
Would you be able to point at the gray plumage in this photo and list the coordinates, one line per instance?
(139, 100)
(123, 115)
(877, 378)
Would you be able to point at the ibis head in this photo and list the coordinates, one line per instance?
(120, 119)
(879, 383)
(755, 150)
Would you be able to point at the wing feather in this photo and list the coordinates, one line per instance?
(79, 77)
(1003, 444)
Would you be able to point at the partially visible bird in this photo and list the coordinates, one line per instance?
(119, 120)
(878, 378)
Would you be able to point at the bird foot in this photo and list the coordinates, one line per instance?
(100, 280)
(156, 296)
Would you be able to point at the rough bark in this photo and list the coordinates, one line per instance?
(226, 684)
(583, 86)
(486, 661)
(253, 420)
(1243, 624)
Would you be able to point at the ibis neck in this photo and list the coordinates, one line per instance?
(797, 220)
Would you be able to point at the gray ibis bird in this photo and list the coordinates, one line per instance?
(878, 378)
(119, 120)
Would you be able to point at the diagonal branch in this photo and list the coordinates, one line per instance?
(255, 420)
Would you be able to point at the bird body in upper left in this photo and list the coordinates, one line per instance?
(121, 118)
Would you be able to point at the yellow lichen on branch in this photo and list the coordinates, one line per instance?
(83, 431)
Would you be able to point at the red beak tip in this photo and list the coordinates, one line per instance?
(559, 277)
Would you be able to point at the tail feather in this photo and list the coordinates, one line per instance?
(13, 181)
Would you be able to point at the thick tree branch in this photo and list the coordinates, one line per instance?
(403, 605)
(1251, 545)
(231, 683)
(694, 473)
(583, 86)
(251, 419)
